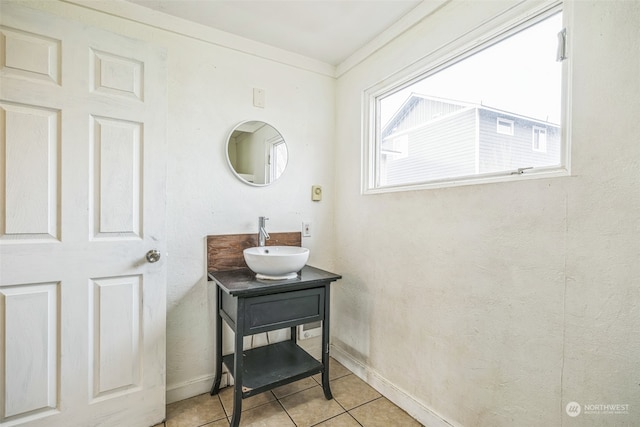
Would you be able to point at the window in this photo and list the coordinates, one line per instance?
(504, 126)
(539, 139)
(277, 157)
(396, 147)
(468, 118)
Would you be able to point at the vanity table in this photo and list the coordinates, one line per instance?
(251, 306)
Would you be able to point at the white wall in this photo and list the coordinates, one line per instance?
(211, 91)
(497, 304)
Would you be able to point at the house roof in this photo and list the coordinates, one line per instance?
(415, 99)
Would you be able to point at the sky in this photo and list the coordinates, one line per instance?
(519, 74)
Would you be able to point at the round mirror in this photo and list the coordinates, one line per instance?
(256, 153)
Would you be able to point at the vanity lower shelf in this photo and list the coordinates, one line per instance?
(272, 366)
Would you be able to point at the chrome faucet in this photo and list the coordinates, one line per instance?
(263, 236)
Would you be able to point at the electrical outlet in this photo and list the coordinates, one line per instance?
(306, 229)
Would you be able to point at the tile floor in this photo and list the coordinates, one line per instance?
(299, 404)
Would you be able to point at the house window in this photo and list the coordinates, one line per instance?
(504, 126)
(466, 118)
(396, 148)
(539, 139)
(277, 157)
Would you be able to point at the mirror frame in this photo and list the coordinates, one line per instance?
(232, 168)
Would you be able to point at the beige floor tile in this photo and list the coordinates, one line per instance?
(226, 396)
(159, 425)
(336, 370)
(268, 415)
(220, 423)
(294, 387)
(310, 407)
(350, 391)
(382, 413)
(344, 420)
(195, 411)
(302, 401)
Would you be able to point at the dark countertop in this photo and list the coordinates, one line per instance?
(243, 282)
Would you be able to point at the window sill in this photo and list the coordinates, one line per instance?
(472, 180)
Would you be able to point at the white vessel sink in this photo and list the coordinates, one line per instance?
(276, 262)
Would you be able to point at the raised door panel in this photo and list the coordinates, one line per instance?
(112, 74)
(29, 355)
(29, 163)
(116, 177)
(29, 55)
(116, 349)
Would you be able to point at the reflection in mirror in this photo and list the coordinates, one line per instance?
(257, 153)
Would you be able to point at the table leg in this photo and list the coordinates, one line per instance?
(325, 346)
(238, 365)
(218, 331)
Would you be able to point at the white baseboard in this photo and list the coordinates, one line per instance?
(187, 389)
(399, 397)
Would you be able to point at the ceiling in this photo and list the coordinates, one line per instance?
(326, 30)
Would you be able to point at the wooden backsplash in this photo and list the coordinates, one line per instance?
(224, 252)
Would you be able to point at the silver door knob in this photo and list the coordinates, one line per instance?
(153, 256)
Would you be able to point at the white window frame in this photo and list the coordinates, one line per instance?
(271, 158)
(459, 48)
(504, 126)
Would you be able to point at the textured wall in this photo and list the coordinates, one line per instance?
(602, 295)
(497, 304)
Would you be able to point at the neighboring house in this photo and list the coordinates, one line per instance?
(430, 138)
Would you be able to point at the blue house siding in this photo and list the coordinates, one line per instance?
(431, 139)
(499, 152)
(442, 148)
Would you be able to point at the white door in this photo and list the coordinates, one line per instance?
(82, 201)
